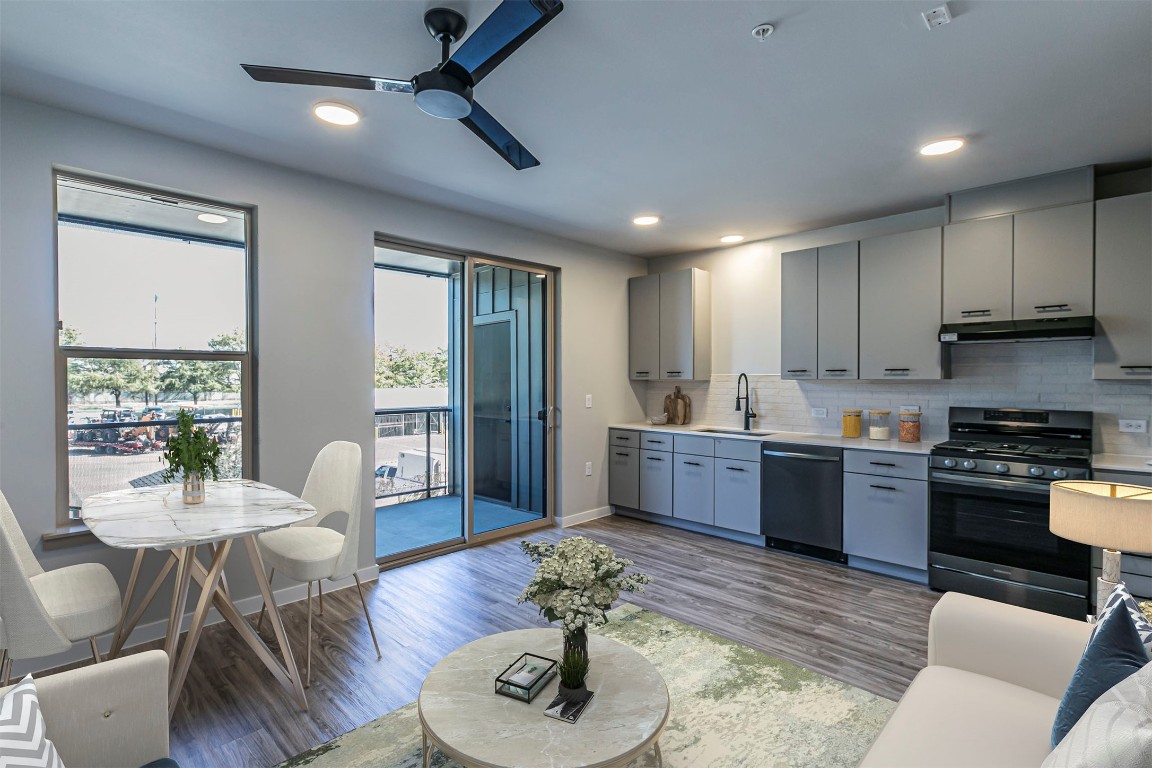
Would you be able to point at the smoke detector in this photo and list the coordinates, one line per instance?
(937, 17)
(762, 31)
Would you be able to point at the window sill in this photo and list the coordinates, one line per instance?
(67, 536)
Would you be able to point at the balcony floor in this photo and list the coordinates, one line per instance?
(400, 527)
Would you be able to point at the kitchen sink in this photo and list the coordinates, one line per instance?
(749, 433)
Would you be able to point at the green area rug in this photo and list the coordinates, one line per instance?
(731, 706)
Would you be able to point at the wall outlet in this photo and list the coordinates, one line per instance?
(819, 413)
(1133, 425)
(587, 401)
(588, 466)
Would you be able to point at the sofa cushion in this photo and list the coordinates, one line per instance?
(1113, 653)
(23, 740)
(951, 718)
(1115, 732)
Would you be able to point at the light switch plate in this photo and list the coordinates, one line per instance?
(1133, 425)
(819, 413)
(588, 469)
(587, 401)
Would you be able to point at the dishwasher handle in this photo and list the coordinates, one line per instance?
(808, 456)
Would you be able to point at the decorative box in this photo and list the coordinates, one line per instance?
(525, 677)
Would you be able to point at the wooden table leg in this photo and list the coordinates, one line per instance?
(124, 630)
(179, 599)
(117, 642)
(207, 593)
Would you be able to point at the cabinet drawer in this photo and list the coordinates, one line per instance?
(738, 494)
(624, 477)
(886, 519)
(697, 446)
(886, 464)
(742, 450)
(656, 441)
(626, 438)
(693, 496)
(656, 472)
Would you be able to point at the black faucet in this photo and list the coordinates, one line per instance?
(749, 414)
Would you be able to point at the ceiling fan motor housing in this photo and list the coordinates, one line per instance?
(442, 95)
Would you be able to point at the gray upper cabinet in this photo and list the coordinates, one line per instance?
(685, 324)
(978, 270)
(900, 306)
(644, 327)
(837, 311)
(1052, 262)
(798, 320)
(1123, 343)
(670, 326)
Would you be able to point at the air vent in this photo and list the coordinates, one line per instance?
(937, 17)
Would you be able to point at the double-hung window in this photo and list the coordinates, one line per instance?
(154, 310)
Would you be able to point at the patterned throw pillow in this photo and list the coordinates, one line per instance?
(1121, 598)
(22, 739)
(1115, 732)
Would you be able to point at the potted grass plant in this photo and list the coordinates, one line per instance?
(192, 454)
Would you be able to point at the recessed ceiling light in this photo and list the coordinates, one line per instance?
(337, 114)
(731, 238)
(942, 147)
(213, 218)
(646, 221)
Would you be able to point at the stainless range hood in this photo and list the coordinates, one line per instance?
(1039, 329)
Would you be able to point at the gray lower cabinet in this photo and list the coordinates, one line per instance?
(624, 477)
(694, 494)
(886, 519)
(738, 495)
(1122, 348)
(656, 474)
(798, 321)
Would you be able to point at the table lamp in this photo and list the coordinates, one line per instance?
(1114, 516)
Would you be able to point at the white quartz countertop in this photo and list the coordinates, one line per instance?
(1122, 462)
(776, 436)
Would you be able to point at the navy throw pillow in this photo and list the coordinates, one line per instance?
(1113, 653)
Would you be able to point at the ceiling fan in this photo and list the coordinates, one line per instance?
(446, 90)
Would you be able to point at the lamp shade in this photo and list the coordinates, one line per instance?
(1109, 515)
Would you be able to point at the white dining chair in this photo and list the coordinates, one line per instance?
(308, 552)
(45, 612)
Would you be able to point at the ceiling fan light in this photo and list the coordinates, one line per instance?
(336, 113)
(442, 96)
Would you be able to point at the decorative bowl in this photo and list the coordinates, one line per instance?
(661, 419)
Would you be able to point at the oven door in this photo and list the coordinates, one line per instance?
(1003, 522)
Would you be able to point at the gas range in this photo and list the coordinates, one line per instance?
(1051, 445)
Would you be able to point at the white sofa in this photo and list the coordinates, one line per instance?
(995, 677)
(108, 715)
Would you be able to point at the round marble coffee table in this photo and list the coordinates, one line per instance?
(462, 716)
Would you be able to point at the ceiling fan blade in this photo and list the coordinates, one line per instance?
(327, 79)
(496, 136)
(506, 29)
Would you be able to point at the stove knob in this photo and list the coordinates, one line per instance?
(1036, 471)
(1001, 467)
(949, 463)
(969, 464)
(1059, 474)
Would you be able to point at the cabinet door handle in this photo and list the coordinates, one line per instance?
(881, 464)
(883, 487)
(625, 455)
(1129, 367)
(975, 312)
(692, 463)
(641, 373)
(736, 469)
(653, 458)
(655, 442)
(835, 370)
(623, 437)
(896, 371)
(1052, 308)
(798, 370)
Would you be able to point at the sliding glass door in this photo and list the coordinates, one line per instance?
(464, 383)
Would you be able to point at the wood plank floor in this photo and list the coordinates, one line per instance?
(864, 629)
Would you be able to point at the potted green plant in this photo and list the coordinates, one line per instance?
(192, 453)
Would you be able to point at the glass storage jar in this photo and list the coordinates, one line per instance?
(850, 422)
(878, 425)
(909, 426)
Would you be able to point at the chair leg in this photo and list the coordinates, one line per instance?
(95, 651)
(5, 664)
(264, 607)
(320, 590)
(308, 663)
(368, 616)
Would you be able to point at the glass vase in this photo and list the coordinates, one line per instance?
(193, 488)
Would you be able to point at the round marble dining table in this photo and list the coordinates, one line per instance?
(464, 718)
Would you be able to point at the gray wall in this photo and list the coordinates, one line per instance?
(314, 309)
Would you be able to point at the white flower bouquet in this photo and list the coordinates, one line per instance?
(577, 581)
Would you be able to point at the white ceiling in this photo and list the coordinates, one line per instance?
(668, 107)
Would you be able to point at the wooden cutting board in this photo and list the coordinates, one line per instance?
(678, 407)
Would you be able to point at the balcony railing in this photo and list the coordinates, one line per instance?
(412, 460)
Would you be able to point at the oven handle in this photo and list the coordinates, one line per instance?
(991, 482)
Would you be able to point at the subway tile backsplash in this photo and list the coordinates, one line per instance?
(1050, 374)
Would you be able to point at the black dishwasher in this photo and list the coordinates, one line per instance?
(801, 499)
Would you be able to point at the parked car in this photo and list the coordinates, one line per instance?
(386, 471)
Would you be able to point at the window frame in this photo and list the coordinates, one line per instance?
(64, 353)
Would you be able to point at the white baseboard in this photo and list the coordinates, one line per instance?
(156, 630)
(567, 521)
